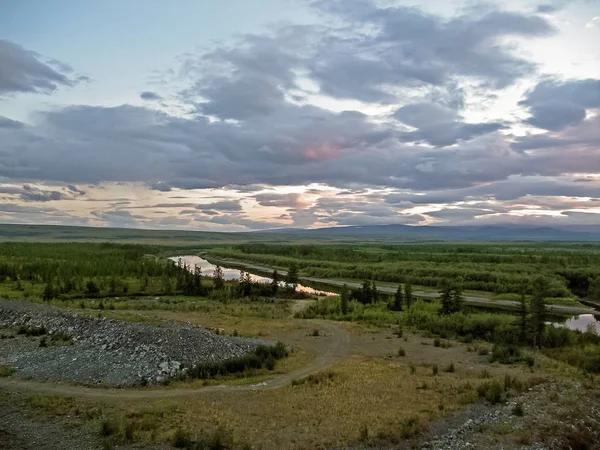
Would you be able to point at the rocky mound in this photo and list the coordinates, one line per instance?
(107, 351)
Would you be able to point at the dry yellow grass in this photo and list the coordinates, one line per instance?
(369, 393)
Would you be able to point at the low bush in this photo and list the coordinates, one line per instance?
(518, 410)
(450, 368)
(109, 428)
(410, 427)
(506, 354)
(316, 379)
(262, 356)
(491, 391)
(496, 391)
(219, 439)
(31, 331)
(6, 371)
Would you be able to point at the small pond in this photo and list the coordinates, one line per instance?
(581, 323)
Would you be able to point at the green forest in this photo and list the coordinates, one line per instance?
(569, 269)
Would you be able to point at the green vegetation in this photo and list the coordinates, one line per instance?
(569, 269)
(262, 356)
(503, 329)
(6, 371)
(74, 271)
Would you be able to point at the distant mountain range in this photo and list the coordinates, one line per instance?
(396, 233)
(458, 233)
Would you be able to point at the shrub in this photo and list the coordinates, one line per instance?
(31, 331)
(263, 356)
(6, 371)
(492, 391)
(518, 410)
(450, 368)
(181, 439)
(316, 379)
(506, 354)
(108, 427)
(410, 427)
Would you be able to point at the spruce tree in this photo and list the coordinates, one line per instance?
(398, 299)
(275, 282)
(344, 298)
(291, 278)
(218, 281)
(523, 320)
(538, 310)
(446, 299)
(408, 294)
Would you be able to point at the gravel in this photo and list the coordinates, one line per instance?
(109, 352)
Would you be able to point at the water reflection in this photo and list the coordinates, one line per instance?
(582, 323)
(234, 274)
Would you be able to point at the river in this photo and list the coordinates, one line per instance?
(234, 274)
(580, 322)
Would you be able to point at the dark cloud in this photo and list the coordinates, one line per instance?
(22, 70)
(9, 123)
(151, 96)
(225, 205)
(382, 47)
(547, 8)
(555, 105)
(31, 194)
(160, 186)
(281, 200)
(75, 190)
(439, 125)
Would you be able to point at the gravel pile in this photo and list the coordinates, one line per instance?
(109, 352)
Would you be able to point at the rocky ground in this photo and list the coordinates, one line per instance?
(102, 351)
(550, 416)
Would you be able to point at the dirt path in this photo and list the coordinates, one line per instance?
(335, 346)
(468, 300)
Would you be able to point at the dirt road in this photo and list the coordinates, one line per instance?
(469, 300)
(335, 346)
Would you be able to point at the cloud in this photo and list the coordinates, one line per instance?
(9, 123)
(160, 186)
(458, 214)
(595, 21)
(117, 218)
(31, 194)
(382, 47)
(281, 200)
(23, 70)
(258, 115)
(151, 96)
(75, 190)
(225, 205)
(555, 105)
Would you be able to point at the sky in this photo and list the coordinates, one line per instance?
(245, 115)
